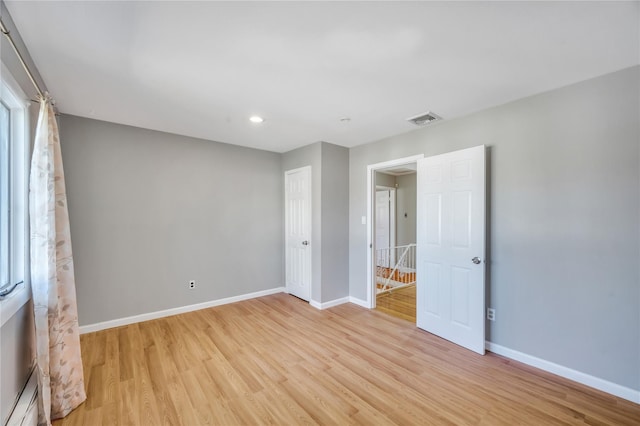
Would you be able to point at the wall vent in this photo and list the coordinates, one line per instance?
(424, 119)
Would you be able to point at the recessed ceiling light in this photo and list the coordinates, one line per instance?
(256, 119)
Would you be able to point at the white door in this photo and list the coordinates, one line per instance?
(297, 188)
(450, 246)
(383, 227)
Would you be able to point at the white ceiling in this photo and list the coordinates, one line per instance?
(202, 68)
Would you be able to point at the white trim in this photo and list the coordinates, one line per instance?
(25, 412)
(371, 168)
(299, 169)
(329, 304)
(14, 302)
(358, 302)
(19, 103)
(90, 328)
(393, 224)
(566, 372)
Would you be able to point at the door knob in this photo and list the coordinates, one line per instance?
(305, 243)
(476, 260)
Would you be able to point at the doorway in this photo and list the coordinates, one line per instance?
(450, 234)
(395, 239)
(383, 272)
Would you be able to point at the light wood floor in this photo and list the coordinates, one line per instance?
(277, 360)
(400, 303)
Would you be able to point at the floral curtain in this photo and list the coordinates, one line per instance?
(58, 362)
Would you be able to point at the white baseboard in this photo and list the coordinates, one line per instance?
(568, 373)
(329, 304)
(315, 304)
(175, 311)
(358, 302)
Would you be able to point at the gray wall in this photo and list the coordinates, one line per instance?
(330, 211)
(406, 203)
(17, 334)
(150, 211)
(335, 222)
(383, 179)
(563, 226)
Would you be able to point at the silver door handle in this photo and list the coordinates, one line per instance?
(476, 260)
(305, 243)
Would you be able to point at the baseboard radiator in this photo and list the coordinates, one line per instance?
(25, 412)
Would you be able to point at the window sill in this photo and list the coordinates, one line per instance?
(14, 302)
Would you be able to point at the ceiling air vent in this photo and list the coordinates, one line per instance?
(424, 119)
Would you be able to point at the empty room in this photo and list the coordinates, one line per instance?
(319, 212)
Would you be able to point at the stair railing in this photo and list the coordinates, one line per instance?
(406, 263)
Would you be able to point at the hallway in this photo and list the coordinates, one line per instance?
(400, 303)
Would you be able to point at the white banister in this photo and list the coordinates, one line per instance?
(391, 273)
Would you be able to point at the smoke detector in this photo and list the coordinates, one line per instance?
(424, 119)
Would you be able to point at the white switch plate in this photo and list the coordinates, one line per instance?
(364, 220)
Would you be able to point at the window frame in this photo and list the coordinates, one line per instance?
(5, 183)
(15, 99)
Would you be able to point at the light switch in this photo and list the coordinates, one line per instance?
(364, 220)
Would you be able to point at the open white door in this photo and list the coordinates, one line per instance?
(297, 189)
(450, 246)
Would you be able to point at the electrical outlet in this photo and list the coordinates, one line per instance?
(192, 284)
(491, 314)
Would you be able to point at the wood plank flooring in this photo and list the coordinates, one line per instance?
(400, 303)
(277, 360)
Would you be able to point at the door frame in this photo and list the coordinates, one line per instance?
(371, 190)
(310, 216)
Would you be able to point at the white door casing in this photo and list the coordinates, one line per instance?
(297, 185)
(451, 246)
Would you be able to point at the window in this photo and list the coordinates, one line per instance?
(13, 196)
